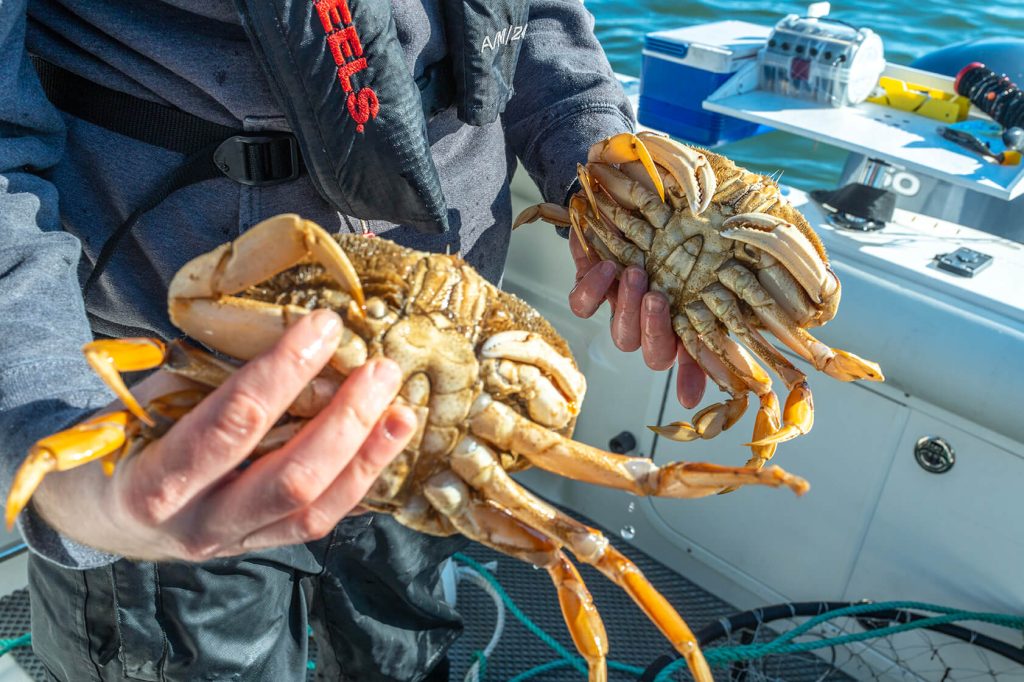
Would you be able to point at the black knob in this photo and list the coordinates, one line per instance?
(622, 443)
(934, 454)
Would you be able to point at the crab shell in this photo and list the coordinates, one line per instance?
(734, 259)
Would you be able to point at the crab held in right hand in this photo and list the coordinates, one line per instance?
(733, 257)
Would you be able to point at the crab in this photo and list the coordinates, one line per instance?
(733, 257)
(495, 389)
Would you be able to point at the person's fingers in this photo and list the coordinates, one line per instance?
(592, 288)
(626, 321)
(290, 479)
(342, 497)
(658, 340)
(223, 429)
(690, 381)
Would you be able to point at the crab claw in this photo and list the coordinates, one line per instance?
(797, 417)
(790, 246)
(846, 366)
(690, 169)
(624, 148)
(270, 247)
(532, 349)
(92, 439)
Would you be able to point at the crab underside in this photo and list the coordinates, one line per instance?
(734, 259)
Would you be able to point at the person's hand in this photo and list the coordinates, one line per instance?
(640, 318)
(184, 497)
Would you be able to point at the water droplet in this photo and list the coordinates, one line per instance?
(628, 532)
(535, 567)
(630, 507)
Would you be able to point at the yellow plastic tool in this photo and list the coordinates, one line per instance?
(921, 99)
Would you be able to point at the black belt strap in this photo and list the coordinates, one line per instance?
(124, 114)
(211, 149)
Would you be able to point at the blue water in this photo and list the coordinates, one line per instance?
(909, 30)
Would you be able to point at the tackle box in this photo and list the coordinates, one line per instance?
(683, 66)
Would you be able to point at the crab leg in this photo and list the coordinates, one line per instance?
(91, 439)
(739, 361)
(558, 216)
(714, 419)
(479, 467)
(798, 415)
(636, 230)
(783, 287)
(549, 213)
(500, 530)
(109, 357)
(624, 251)
(838, 364)
(631, 195)
(506, 430)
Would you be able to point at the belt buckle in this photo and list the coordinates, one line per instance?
(233, 159)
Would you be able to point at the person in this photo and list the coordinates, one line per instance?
(183, 564)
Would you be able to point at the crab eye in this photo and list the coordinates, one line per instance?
(376, 309)
(747, 253)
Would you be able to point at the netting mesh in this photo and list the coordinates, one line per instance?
(940, 653)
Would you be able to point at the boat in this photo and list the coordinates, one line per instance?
(915, 482)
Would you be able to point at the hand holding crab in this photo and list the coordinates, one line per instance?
(493, 387)
(732, 257)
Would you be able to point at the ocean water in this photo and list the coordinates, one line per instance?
(908, 29)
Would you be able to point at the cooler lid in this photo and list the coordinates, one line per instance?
(713, 47)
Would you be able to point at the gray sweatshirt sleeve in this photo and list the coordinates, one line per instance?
(45, 384)
(566, 96)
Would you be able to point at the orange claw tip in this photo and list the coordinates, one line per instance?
(39, 463)
(678, 431)
(787, 432)
(800, 486)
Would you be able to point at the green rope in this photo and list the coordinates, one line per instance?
(540, 669)
(781, 645)
(481, 660)
(577, 662)
(6, 645)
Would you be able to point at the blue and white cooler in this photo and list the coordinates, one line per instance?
(683, 66)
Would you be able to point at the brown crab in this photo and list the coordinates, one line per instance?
(495, 387)
(734, 259)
